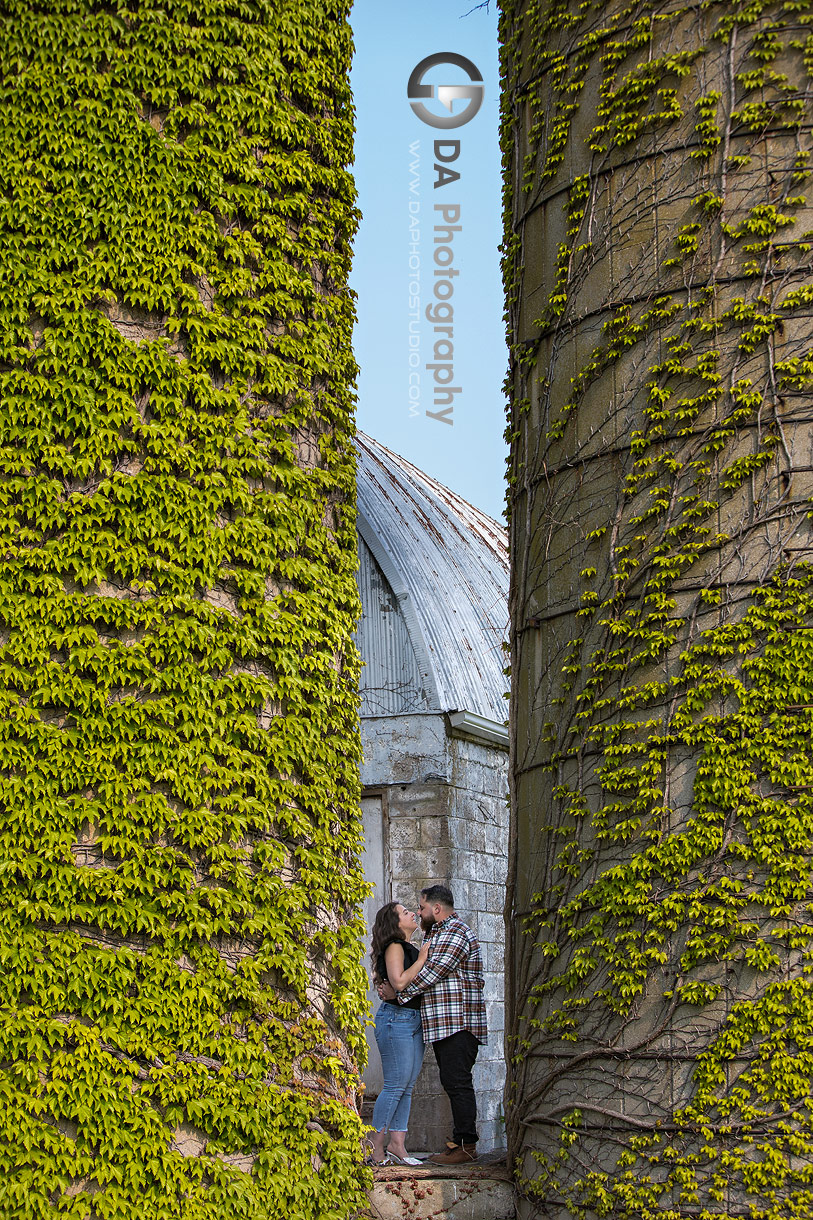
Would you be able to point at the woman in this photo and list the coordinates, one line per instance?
(397, 1030)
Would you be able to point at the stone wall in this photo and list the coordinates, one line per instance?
(444, 818)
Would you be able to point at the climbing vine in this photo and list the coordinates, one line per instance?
(181, 982)
(657, 265)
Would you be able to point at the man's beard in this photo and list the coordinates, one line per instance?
(428, 923)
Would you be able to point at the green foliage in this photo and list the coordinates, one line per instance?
(661, 1060)
(181, 982)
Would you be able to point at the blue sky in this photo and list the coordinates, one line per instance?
(395, 176)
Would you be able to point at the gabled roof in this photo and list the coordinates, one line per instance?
(447, 564)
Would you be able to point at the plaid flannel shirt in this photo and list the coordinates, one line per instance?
(451, 981)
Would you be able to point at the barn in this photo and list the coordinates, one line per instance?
(433, 580)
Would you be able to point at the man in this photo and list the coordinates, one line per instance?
(453, 1013)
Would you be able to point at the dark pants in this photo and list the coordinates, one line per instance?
(456, 1055)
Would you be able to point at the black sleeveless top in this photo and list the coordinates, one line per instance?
(410, 957)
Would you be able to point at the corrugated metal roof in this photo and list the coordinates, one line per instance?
(447, 563)
(391, 679)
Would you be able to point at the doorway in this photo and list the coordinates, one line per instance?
(374, 858)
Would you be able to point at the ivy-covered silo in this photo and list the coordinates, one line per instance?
(657, 261)
(182, 991)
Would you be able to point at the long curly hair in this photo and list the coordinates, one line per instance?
(385, 928)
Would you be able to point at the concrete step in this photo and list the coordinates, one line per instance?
(442, 1192)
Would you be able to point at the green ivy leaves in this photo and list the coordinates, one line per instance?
(178, 742)
(658, 305)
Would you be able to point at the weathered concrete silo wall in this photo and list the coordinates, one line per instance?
(657, 268)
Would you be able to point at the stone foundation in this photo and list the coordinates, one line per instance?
(466, 1193)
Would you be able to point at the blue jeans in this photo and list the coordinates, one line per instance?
(400, 1044)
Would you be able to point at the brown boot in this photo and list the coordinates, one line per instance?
(455, 1154)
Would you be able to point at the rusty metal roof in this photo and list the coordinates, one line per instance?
(447, 564)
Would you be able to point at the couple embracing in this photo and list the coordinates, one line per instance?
(435, 995)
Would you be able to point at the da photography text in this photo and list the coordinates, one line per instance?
(431, 296)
